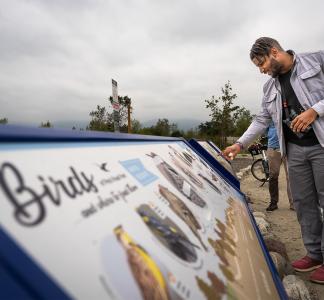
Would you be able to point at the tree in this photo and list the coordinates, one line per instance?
(46, 124)
(243, 121)
(3, 121)
(162, 127)
(136, 126)
(124, 103)
(192, 133)
(223, 112)
(208, 129)
(177, 133)
(101, 120)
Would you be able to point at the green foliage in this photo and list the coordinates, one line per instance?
(3, 121)
(102, 119)
(223, 112)
(123, 110)
(227, 119)
(136, 126)
(208, 129)
(192, 133)
(46, 125)
(243, 121)
(161, 128)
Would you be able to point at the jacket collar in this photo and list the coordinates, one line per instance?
(292, 53)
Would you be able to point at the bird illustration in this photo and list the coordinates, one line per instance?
(144, 269)
(103, 167)
(182, 185)
(182, 211)
(171, 237)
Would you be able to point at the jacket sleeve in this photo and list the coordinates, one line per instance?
(258, 126)
(319, 106)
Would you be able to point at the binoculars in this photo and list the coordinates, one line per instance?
(291, 117)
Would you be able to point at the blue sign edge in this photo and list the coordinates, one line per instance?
(11, 133)
(217, 165)
(25, 273)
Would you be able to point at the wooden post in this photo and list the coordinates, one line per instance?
(129, 117)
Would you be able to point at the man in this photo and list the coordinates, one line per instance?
(296, 88)
(275, 160)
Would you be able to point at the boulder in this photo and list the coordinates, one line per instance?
(259, 214)
(282, 265)
(274, 245)
(246, 170)
(263, 225)
(296, 288)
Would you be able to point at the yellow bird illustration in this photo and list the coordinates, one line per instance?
(145, 271)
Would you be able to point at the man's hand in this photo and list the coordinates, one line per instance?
(231, 151)
(300, 123)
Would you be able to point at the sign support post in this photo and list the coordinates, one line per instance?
(115, 105)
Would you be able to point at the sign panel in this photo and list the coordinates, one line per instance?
(131, 220)
(217, 154)
(214, 156)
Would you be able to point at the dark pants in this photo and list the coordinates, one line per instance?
(275, 160)
(306, 173)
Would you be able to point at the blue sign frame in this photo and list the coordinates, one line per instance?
(20, 275)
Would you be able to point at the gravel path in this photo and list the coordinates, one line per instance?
(241, 162)
(283, 221)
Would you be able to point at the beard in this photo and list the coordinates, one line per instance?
(276, 68)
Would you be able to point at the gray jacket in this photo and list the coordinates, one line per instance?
(307, 80)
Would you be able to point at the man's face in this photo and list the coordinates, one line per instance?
(268, 65)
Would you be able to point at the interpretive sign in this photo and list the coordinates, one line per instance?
(130, 219)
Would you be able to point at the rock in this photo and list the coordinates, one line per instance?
(243, 172)
(276, 246)
(259, 214)
(282, 265)
(269, 235)
(246, 170)
(295, 288)
(263, 225)
(248, 199)
(312, 291)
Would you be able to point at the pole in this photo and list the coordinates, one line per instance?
(115, 105)
(129, 117)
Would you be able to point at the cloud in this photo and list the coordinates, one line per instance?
(57, 58)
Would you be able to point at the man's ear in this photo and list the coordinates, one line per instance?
(274, 51)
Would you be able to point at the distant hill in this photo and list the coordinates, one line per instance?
(183, 124)
(70, 124)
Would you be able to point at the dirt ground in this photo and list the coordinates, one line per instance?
(283, 221)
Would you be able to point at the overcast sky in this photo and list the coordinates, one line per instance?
(57, 58)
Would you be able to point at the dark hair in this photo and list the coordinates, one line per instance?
(262, 47)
